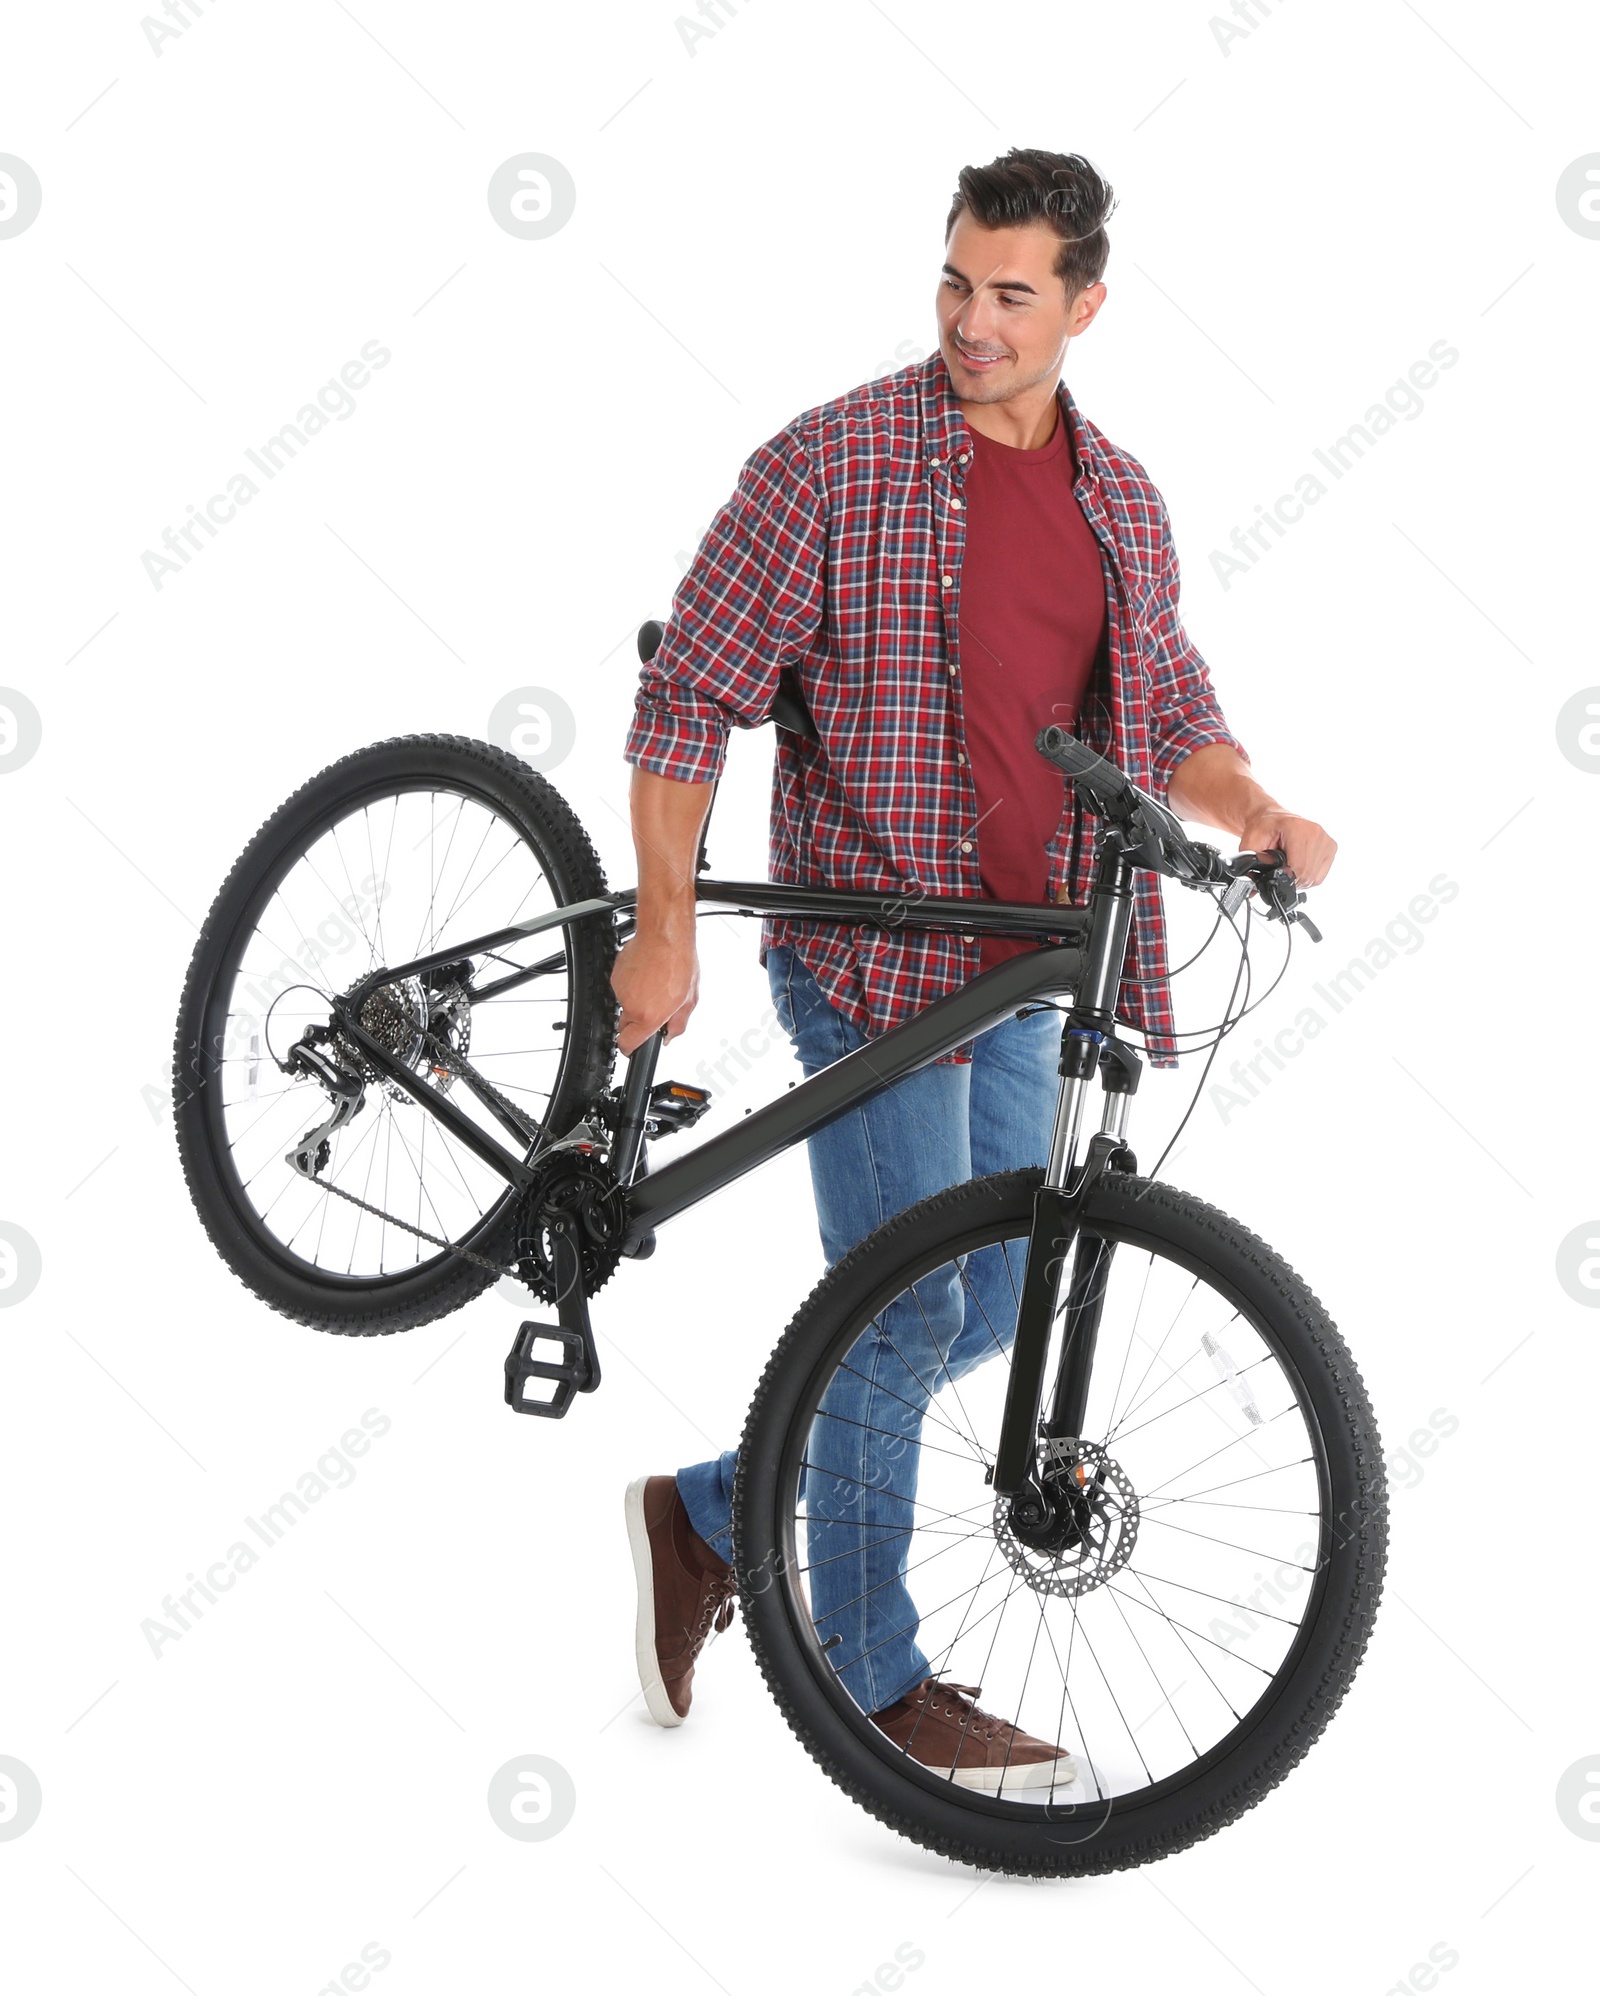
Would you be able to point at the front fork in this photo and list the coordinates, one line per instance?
(1054, 1239)
(1089, 1046)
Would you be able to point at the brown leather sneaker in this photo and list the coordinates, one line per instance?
(941, 1727)
(685, 1591)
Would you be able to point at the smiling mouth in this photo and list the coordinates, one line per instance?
(973, 359)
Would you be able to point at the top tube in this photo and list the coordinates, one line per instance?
(885, 906)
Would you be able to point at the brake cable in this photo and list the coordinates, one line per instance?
(1222, 1033)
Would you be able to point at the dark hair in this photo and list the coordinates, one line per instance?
(1060, 189)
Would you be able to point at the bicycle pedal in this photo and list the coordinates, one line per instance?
(674, 1105)
(574, 1372)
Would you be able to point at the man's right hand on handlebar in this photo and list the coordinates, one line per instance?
(1214, 785)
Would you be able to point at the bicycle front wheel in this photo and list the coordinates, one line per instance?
(1182, 1651)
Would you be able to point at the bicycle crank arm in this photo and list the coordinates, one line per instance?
(578, 1368)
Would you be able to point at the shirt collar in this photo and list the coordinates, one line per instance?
(944, 428)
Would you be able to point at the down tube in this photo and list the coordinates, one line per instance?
(811, 1105)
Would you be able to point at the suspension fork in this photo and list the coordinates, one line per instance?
(1091, 1257)
(1054, 1241)
(1088, 1046)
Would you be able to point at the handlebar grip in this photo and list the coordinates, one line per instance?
(1083, 767)
(1149, 826)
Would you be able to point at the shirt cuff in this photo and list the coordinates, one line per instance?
(1182, 737)
(687, 747)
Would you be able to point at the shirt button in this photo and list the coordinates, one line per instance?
(956, 503)
(966, 845)
(969, 939)
(947, 582)
(961, 755)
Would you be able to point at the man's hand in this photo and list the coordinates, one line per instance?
(657, 982)
(1306, 847)
(656, 976)
(1215, 786)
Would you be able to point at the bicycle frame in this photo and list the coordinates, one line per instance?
(1082, 953)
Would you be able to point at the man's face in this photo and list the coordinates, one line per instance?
(1004, 316)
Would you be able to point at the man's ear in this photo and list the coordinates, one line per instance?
(1081, 312)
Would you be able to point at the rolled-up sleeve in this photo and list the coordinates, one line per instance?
(1185, 714)
(751, 602)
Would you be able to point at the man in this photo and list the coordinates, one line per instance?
(948, 559)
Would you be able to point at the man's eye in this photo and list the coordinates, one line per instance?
(954, 284)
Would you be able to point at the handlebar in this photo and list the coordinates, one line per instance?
(1152, 837)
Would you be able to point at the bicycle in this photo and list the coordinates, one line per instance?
(383, 1106)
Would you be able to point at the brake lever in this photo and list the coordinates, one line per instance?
(1267, 873)
(1286, 899)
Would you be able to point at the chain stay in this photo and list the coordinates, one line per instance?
(454, 1063)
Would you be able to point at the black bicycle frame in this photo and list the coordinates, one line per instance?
(809, 1106)
(1081, 953)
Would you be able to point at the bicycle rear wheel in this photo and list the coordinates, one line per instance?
(403, 849)
(1186, 1649)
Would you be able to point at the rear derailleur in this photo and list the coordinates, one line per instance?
(347, 1094)
(424, 1022)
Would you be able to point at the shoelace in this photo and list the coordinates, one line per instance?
(716, 1611)
(979, 1724)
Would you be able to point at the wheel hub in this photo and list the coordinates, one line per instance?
(420, 1025)
(1089, 1523)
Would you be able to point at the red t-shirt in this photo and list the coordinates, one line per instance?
(1033, 614)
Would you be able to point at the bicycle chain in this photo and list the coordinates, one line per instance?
(460, 1067)
(466, 1254)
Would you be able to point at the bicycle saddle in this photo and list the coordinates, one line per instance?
(789, 709)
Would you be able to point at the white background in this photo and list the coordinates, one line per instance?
(758, 227)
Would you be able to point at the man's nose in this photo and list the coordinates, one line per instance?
(975, 323)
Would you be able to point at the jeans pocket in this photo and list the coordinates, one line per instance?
(819, 1032)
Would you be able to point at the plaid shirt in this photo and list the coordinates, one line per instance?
(839, 555)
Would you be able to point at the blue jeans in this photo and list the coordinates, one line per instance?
(936, 1128)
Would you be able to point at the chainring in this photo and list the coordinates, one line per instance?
(581, 1188)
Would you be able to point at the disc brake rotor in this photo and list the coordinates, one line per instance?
(1082, 1478)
